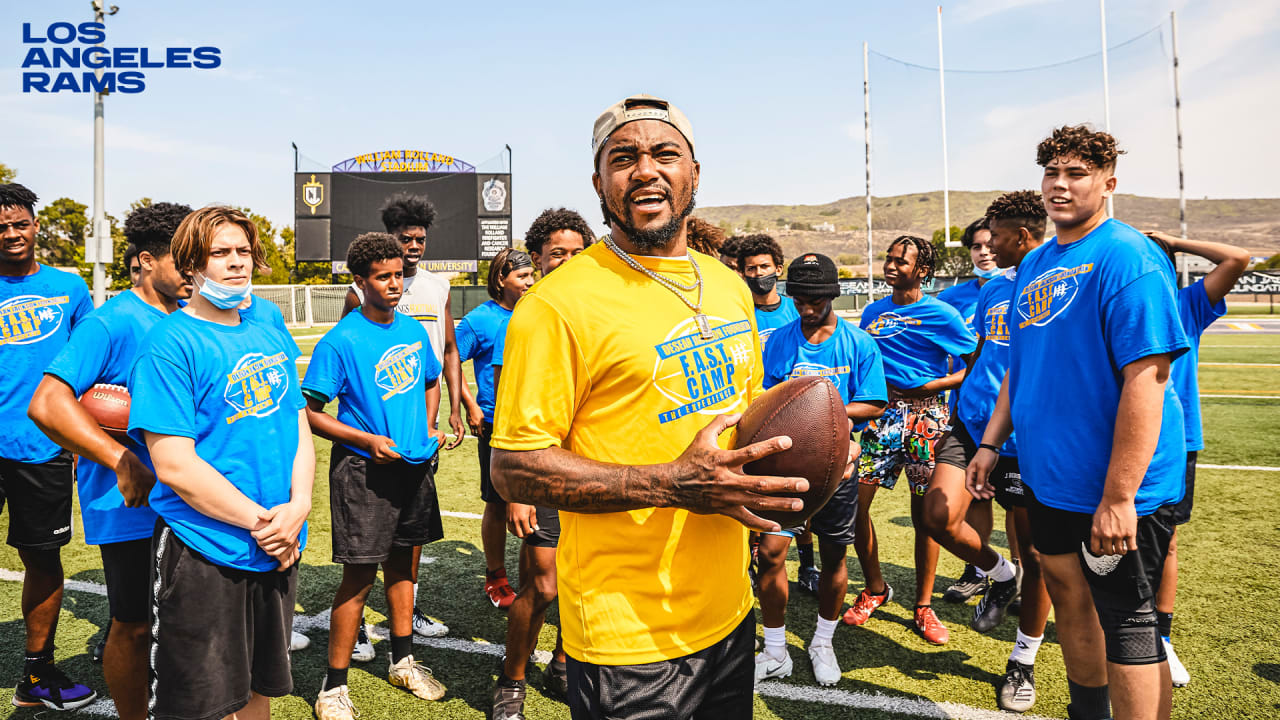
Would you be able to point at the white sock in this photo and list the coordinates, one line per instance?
(979, 572)
(1004, 571)
(825, 631)
(415, 595)
(775, 642)
(1025, 649)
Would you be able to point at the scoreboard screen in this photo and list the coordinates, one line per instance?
(473, 210)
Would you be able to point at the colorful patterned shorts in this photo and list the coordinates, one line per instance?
(902, 439)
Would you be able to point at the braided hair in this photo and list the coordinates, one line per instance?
(926, 254)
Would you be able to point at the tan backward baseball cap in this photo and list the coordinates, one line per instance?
(638, 107)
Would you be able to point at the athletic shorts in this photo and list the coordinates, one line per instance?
(487, 493)
(957, 449)
(218, 634)
(377, 507)
(548, 532)
(834, 522)
(903, 439)
(712, 684)
(1182, 509)
(39, 496)
(1120, 584)
(127, 566)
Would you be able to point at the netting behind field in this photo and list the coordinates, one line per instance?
(997, 116)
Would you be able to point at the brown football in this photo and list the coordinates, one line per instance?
(109, 405)
(809, 411)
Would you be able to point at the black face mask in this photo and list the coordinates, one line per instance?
(763, 284)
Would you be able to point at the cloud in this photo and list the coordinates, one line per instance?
(978, 9)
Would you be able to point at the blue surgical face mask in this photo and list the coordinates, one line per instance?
(987, 274)
(223, 297)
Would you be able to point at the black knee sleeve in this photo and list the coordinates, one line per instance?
(1133, 638)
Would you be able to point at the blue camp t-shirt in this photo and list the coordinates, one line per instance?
(768, 321)
(477, 336)
(915, 340)
(499, 343)
(234, 390)
(977, 396)
(1081, 313)
(37, 314)
(102, 350)
(379, 373)
(849, 359)
(964, 298)
(1197, 315)
(268, 313)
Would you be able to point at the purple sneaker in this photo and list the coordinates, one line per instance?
(52, 689)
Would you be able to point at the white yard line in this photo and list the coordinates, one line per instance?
(911, 706)
(1243, 397)
(1260, 468)
(1213, 364)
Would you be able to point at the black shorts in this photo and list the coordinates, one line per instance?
(218, 634)
(1182, 509)
(127, 566)
(836, 521)
(715, 683)
(548, 533)
(39, 496)
(1126, 585)
(957, 449)
(487, 493)
(376, 507)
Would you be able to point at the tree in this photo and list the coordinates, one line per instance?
(63, 229)
(952, 261)
(1271, 263)
(7, 174)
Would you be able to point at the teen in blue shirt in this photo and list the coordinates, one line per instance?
(917, 335)
(112, 480)
(379, 365)
(217, 402)
(760, 264)
(510, 276)
(818, 343)
(1017, 223)
(39, 308)
(1198, 306)
(1094, 317)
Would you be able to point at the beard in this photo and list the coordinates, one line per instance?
(655, 238)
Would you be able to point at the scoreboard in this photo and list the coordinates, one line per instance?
(473, 209)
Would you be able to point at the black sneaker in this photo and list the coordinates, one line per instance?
(556, 680)
(991, 609)
(966, 587)
(808, 579)
(508, 699)
(48, 686)
(1017, 691)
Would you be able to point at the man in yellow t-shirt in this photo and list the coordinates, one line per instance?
(622, 371)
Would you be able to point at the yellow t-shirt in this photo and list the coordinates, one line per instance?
(604, 362)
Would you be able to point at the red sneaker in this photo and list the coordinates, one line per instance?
(866, 604)
(499, 590)
(930, 627)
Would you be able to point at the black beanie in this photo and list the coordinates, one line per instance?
(813, 275)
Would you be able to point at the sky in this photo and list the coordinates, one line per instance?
(774, 93)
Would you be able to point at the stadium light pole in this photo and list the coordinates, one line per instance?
(1177, 115)
(942, 102)
(100, 242)
(866, 121)
(295, 156)
(1106, 88)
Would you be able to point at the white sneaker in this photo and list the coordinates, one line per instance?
(298, 641)
(1176, 669)
(362, 651)
(825, 668)
(426, 627)
(335, 704)
(416, 678)
(767, 666)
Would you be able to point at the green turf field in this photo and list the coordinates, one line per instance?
(1224, 628)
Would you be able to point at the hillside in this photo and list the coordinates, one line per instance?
(1252, 223)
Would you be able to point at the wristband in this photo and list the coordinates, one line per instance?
(990, 447)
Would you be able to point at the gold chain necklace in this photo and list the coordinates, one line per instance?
(704, 325)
